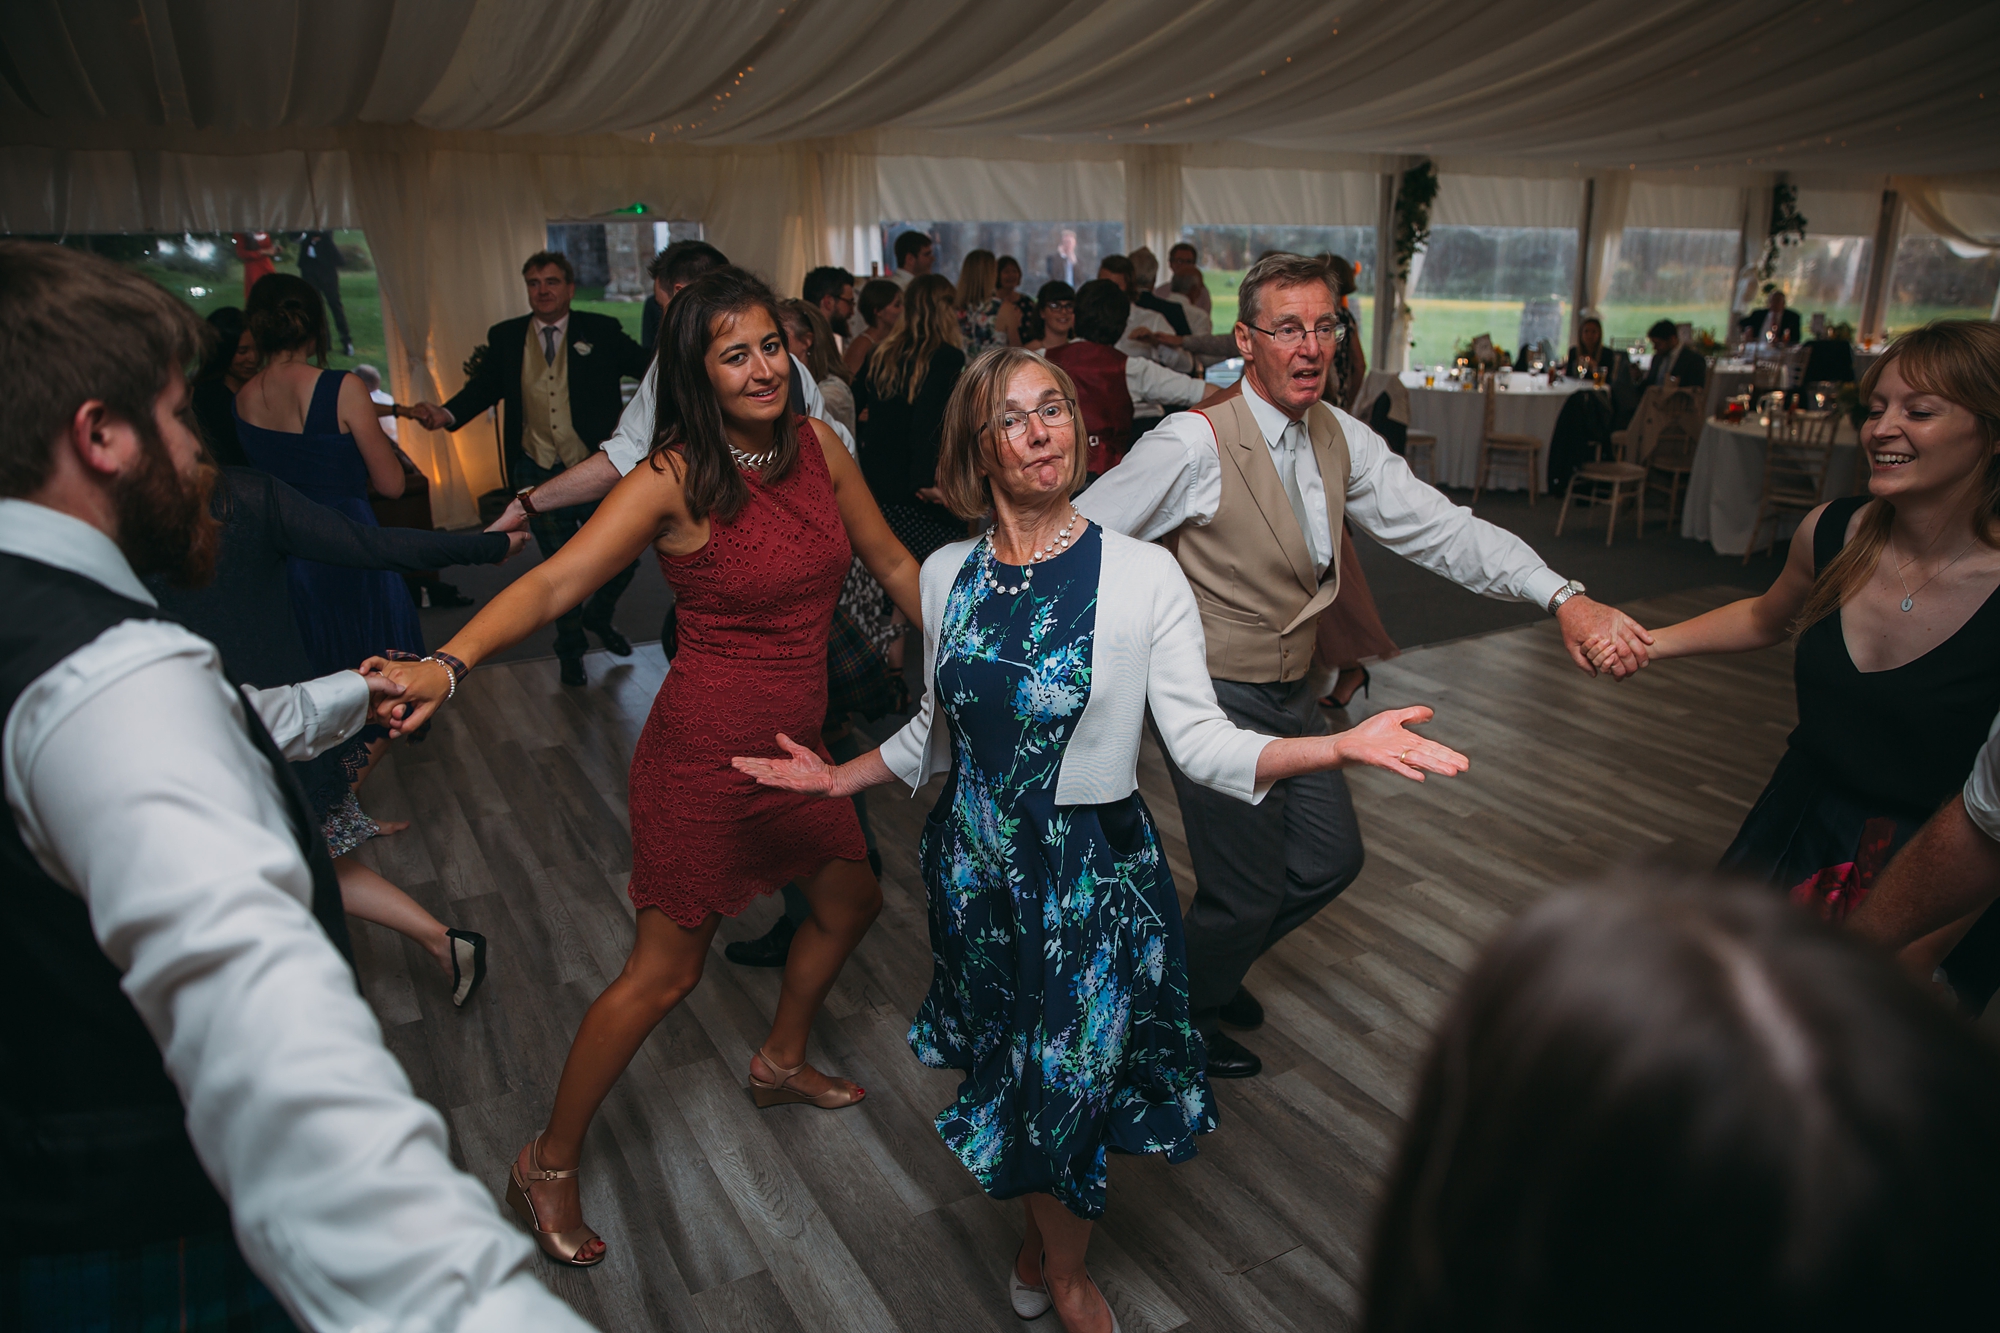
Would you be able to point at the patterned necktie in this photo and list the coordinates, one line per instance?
(1292, 444)
(549, 343)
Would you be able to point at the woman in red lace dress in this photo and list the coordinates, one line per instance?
(751, 511)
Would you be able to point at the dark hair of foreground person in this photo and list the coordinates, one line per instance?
(1677, 1106)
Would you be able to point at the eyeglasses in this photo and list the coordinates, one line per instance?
(1058, 307)
(1288, 336)
(1013, 423)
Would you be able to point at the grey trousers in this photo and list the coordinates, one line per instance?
(1262, 870)
(846, 748)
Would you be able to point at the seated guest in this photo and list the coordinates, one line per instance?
(1145, 272)
(190, 1068)
(1589, 354)
(1676, 1107)
(1773, 323)
(1055, 316)
(1120, 397)
(1673, 359)
(916, 254)
(880, 306)
(832, 290)
(232, 359)
(984, 320)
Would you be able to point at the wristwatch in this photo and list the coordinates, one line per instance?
(526, 496)
(1563, 594)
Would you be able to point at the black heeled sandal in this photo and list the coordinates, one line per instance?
(1328, 701)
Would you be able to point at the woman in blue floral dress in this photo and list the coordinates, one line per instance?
(1060, 984)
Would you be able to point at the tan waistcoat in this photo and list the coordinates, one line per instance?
(1250, 567)
(546, 433)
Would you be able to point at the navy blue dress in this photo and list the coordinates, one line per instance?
(1060, 983)
(344, 615)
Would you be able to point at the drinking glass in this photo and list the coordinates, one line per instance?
(1430, 376)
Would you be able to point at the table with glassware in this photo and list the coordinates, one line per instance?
(1455, 412)
(1727, 483)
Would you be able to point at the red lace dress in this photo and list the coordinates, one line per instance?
(755, 605)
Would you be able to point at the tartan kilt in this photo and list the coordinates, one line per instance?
(859, 679)
(194, 1283)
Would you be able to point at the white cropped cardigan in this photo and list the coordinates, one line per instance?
(1148, 650)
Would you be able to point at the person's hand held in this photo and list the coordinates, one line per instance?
(515, 541)
(800, 770)
(379, 685)
(931, 495)
(1385, 741)
(421, 687)
(1583, 619)
(512, 519)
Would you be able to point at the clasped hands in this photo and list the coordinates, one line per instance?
(403, 695)
(428, 415)
(1602, 638)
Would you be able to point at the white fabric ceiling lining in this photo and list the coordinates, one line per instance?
(1506, 201)
(936, 189)
(1258, 197)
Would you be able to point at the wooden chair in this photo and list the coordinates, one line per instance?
(1798, 450)
(1420, 452)
(1625, 478)
(1525, 449)
(1672, 458)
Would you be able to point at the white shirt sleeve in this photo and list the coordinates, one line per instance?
(312, 717)
(1171, 476)
(151, 805)
(1982, 789)
(1150, 382)
(1387, 501)
(815, 406)
(1174, 358)
(633, 439)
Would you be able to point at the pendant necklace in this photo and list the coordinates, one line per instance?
(1910, 598)
(1054, 546)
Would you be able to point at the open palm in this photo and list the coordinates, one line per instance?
(800, 770)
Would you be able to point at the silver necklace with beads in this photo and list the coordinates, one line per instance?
(1055, 546)
(750, 462)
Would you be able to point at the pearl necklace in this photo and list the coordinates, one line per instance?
(1055, 545)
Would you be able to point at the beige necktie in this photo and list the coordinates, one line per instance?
(1291, 444)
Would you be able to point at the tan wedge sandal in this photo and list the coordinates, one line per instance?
(561, 1246)
(779, 1094)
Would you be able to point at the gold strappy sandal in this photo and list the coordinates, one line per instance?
(561, 1246)
(779, 1094)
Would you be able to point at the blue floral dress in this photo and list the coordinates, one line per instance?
(1061, 982)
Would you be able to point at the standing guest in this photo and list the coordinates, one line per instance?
(1111, 387)
(832, 291)
(1186, 282)
(245, 610)
(810, 340)
(231, 361)
(1681, 1108)
(916, 255)
(1892, 601)
(672, 269)
(320, 262)
(901, 394)
(1007, 285)
(317, 430)
(258, 250)
(1349, 368)
(1145, 272)
(557, 370)
(1774, 323)
(752, 512)
(1054, 923)
(984, 320)
(1254, 489)
(1055, 314)
(190, 1067)
(1671, 359)
(1147, 333)
(880, 306)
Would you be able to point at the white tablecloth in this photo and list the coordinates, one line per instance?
(1527, 406)
(1728, 479)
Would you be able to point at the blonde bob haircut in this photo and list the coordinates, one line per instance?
(968, 445)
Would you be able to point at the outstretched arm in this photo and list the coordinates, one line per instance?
(867, 531)
(802, 770)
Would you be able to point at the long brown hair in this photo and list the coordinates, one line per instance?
(930, 321)
(1957, 360)
(822, 357)
(978, 278)
(688, 431)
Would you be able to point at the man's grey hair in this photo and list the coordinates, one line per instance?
(1277, 269)
(1145, 269)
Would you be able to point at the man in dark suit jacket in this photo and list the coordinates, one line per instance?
(1670, 358)
(320, 263)
(556, 371)
(1787, 325)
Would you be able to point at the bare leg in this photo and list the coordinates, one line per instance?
(376, 749)
(1028, 1263)
(365, 894)
(845, 901)
(1065, 1237)
(665, 964)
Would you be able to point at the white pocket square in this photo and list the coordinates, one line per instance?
(582, 349)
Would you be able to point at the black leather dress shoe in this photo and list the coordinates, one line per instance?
(572, 672)
(1243, 1011)
(1229, 1058)
(614, 643)
(768, 950)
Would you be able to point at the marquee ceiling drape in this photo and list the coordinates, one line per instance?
(452, 129)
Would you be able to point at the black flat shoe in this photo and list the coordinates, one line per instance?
(1243, 1011)
(614, 643)
(1229, 1058)
(768, 950)
(572, 672)
(1335, 703)
(468, 963)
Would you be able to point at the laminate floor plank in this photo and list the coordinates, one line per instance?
(725, 1219)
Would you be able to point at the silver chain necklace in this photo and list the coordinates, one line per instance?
(1910, 598)
(750, 462)
(990, 558)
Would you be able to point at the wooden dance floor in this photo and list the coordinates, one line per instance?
(721, 1217)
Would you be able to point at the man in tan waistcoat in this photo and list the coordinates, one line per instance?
(1250, 492)
(556, 370)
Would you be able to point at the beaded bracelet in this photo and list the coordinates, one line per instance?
(454, 669)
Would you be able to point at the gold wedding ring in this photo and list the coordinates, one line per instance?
(1404, 757)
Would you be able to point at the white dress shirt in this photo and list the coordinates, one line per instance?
(1982, 789)
(134, 784)
(1174, 476)
(633, 439)
(1153, 384)
(1173, 358)
(1201, 320)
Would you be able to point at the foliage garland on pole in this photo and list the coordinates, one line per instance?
(1414, 195)
(1787, 228)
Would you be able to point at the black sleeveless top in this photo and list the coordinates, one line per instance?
(1904, 739)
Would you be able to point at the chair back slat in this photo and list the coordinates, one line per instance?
(1798, 450)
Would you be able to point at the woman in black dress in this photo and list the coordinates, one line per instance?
(1894, 599)
(900, 396)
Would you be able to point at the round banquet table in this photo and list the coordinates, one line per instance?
(1728, 480)
(1527, 405)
